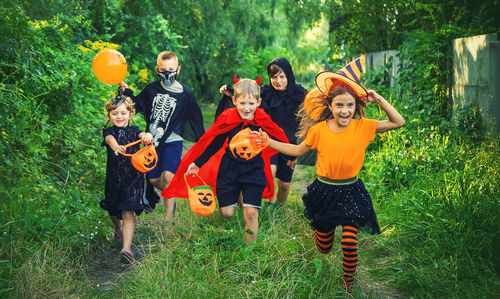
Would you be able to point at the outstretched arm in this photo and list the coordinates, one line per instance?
(289, 149)
(295, 150)
(113, 144)
(146, 137)
(395, 119)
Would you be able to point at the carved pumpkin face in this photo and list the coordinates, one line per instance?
(201, 198)
(145, 159)
(204, 194)
(243, 147)
(149, 159)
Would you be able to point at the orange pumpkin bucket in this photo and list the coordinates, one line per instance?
(201, 198)
(242, 146)
(144, 159)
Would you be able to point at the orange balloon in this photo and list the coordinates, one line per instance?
(312, 103)
(109, 66)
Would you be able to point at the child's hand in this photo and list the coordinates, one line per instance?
(373, 96)
(260, 138)
(120, 150)
(147, 138)
(192, 169)
(291, 163)
(223, 89)
(123, 86)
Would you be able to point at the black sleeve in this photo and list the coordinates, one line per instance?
(138, 100)
(225, 103)
(195, 117)
(211, 149)
(105, 133)
(137, 132)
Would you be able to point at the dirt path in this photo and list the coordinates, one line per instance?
(106, 272)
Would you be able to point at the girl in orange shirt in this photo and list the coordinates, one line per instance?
(334, 124)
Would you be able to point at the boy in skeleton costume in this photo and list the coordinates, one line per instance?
(167, 106)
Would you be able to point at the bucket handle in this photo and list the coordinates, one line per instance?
(187, 184)
(130, 144)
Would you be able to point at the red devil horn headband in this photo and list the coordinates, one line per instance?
(258, 81)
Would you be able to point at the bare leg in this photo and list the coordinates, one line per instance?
(273, 171)
(128, 229)
(166, 178)
(118, 235)
(227, 212)
(161, 183)
(283, 191)
(251, 215)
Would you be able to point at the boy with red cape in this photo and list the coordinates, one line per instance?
(223, 157)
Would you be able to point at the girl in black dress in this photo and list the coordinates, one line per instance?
(124, 184)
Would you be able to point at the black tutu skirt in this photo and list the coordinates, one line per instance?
(328, 206)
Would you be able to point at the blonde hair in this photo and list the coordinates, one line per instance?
(323, 108)
(109, 106)
(246, 87)
(166, 55)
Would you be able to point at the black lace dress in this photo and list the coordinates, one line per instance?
(124, 184)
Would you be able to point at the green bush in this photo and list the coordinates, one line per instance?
(423, 73)
(53, 165)
(438, 195)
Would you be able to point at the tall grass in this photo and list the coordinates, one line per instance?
(439, 202)
(48, 273)
(437, 199)
(436, 196)
(206, 257)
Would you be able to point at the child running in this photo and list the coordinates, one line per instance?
(337, 128)
(281, 99)
(169, 108)
(124, 184)
(230, 172)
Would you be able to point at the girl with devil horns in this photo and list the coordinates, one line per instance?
(229, 162)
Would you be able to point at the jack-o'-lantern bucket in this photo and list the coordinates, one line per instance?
(201, 198)
(242, 146)
(144, 159)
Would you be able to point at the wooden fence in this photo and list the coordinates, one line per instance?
(475, 74)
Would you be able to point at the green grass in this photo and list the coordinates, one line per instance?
(206, 256)
(436, 198)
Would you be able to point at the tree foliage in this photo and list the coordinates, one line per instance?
(52, 171)
(370, 25)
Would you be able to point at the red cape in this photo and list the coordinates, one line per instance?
(224, 123)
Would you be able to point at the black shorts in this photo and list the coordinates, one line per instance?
(235, 177)
(283, 171)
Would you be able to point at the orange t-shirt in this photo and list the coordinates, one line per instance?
(341, 154)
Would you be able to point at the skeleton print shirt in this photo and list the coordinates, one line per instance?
(166, 111)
